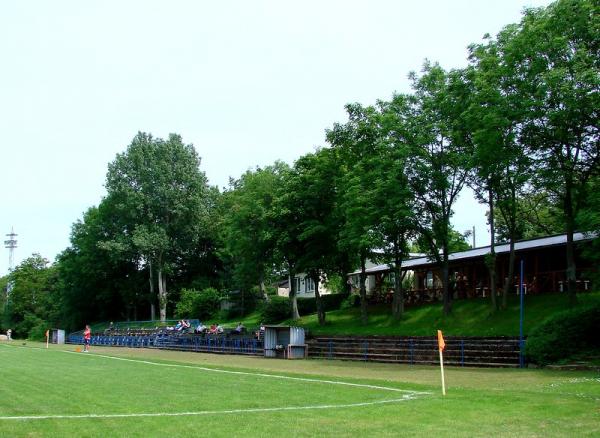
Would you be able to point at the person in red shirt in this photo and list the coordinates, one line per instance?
(87, 335)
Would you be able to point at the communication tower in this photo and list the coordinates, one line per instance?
(10, 244)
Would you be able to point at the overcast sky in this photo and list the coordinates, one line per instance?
(247, 82)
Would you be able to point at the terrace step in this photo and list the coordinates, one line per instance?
(480, 351)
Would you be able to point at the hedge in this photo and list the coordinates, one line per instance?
(275, 310)
(565, 335)
(330, 302)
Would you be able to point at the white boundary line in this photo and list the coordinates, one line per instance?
(230, 411)
(245, 373)
(409, 395)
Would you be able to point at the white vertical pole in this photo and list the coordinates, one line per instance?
(442, 369)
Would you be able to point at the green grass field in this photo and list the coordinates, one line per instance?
(136, 392)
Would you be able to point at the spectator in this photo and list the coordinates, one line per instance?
(213, 329)
(110, 329)
(240, 328)
(219, 329)
(185, 324)
(9, 335)
(261, 331)
(201, 328)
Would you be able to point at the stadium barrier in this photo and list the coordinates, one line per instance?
(224, 343)
(480, 351)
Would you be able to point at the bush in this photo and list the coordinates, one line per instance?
(351, 301)
(277, 309)
(38, 331)
(330, 302)
(242, 302)
(198, 304)
(565, 335)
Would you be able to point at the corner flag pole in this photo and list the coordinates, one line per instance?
(441, 346)
(47, 337)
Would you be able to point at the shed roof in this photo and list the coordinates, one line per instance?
(541, 242)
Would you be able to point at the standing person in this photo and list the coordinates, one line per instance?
(87, 335)
(9, 334)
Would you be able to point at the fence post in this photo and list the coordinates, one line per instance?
(412, 352)
(366, 353)
(330, 349)
(462, 353)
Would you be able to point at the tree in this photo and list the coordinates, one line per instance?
(391, 193)
(33, 303)
(356, 143)
(311, 191)
(555, 55)
(285, 222)
(246, 230)
(160, 193)
(96, 284)
(439, 160)
(500, 166)
(536, 216)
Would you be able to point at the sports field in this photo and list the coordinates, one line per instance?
(134, 392)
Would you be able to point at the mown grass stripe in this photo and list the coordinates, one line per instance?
(245, 373)
(406, 397)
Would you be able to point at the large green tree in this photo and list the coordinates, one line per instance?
(161, 197)
(33, 304)
(439, 160)
(501, 169)
(391, 194)
(246, 230)
(356, 143)
(555, 54)
(96, 284)
(310, 190)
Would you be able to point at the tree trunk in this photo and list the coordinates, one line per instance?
(570, 228)
(152, 294)
(293, 298)
(511, 271)
(492, 259)
(445, 283)
(319, 301)
(263, 289)
(162, 295)
(364, 317)
(398, 299)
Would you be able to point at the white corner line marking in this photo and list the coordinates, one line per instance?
(229, 411)
(244, 373)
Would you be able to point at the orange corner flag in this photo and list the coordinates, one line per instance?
(441, 343)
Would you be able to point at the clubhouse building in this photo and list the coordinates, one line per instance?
(544, 264)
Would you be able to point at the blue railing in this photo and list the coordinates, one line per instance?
(217, 344)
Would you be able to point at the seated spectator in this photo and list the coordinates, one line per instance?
(213, 329)
(201, 328)
(219, 329)
(185, 324)
(110, 328)
(177, 327)
(239, 328)
(261, 331)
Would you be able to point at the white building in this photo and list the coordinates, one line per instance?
(305, 287)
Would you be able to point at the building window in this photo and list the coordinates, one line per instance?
(310, 285)
(429, 280)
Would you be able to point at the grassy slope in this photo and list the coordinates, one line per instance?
(479, 402)
(468, 318)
